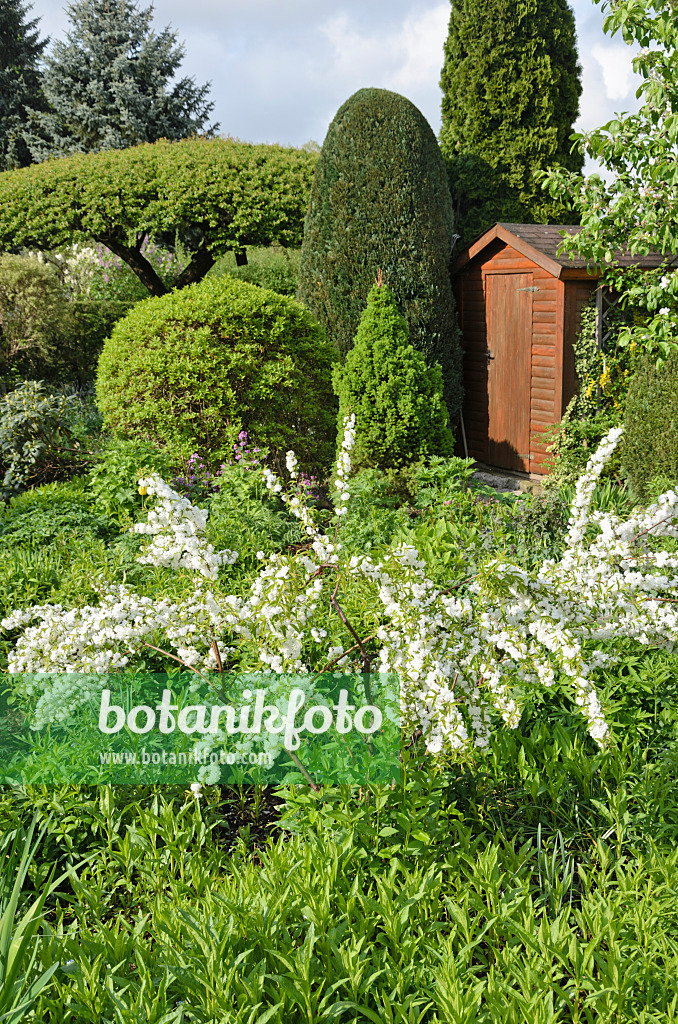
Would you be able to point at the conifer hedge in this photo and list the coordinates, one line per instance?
(380, 201)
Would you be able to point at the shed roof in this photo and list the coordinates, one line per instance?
(540, 243)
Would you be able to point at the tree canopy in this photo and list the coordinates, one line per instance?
(636, 211)
(215, 194)
(20, 80)
(110, 84)
(511, 86)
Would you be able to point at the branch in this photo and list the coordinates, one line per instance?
(367, 658)
(314, 786)
(136, 262)
(643, 532)
(343, 655)
(201, 262)
(174, 658)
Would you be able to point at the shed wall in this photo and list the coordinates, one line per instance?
(546, 372)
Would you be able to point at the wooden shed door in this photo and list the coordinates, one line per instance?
(509, 342)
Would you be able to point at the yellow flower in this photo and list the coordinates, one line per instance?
(143, 490)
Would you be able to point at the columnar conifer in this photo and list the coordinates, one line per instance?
(511, 86)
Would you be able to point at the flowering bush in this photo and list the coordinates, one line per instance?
(461, 660)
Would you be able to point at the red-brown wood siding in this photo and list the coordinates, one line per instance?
(471, 306)
(509, 331)
(542, 373)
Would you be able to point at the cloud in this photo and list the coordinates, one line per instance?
(615, 63)
(280, 71)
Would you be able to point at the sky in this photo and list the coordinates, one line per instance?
(280, 69)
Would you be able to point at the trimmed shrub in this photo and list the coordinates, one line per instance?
(380, 200)
(649, 447)
(192, 369)
(213, 195)
(397, 400)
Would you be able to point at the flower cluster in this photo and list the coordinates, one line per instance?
(460, 659)
(198, 481)
(178, 530)
(344, 466)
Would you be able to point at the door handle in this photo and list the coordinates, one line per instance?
(489, 356)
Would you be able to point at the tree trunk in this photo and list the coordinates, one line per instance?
(138, 263)
(201, 262)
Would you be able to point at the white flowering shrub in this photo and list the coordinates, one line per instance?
(178, 531)
(461, 660)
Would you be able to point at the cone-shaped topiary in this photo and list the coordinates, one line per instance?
(380, 198)
(396, 398)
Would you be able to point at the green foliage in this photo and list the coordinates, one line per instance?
(36, 440)
(112, 481)
(194, 368)
(43, 335)
(532, 880)
(463, 894)
(573, 442)
(276, 269)
(111, 85)
(511, 86)
(632, 209)
(397, 400)
(215, 194)
(81, 341)
(52, 512)
(32, 310)
(380, 200)
(20, 982)
(603, 380)
(244, 517)
(20, 80)
(375, 514)
(649, 447)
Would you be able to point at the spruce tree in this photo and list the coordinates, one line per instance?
(396, 398)
(511, 86)
(20, 80)
(380, 199)
(110, 85)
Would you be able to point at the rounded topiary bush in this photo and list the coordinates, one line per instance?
(191, 369)
(380, 200)
(649, 447)
(400, 414)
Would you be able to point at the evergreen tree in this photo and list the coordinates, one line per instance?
(20, 52)
(396, 398)
(380, 199)
(511, 86)
(110, 85)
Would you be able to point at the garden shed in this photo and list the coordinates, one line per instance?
(519, 306)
